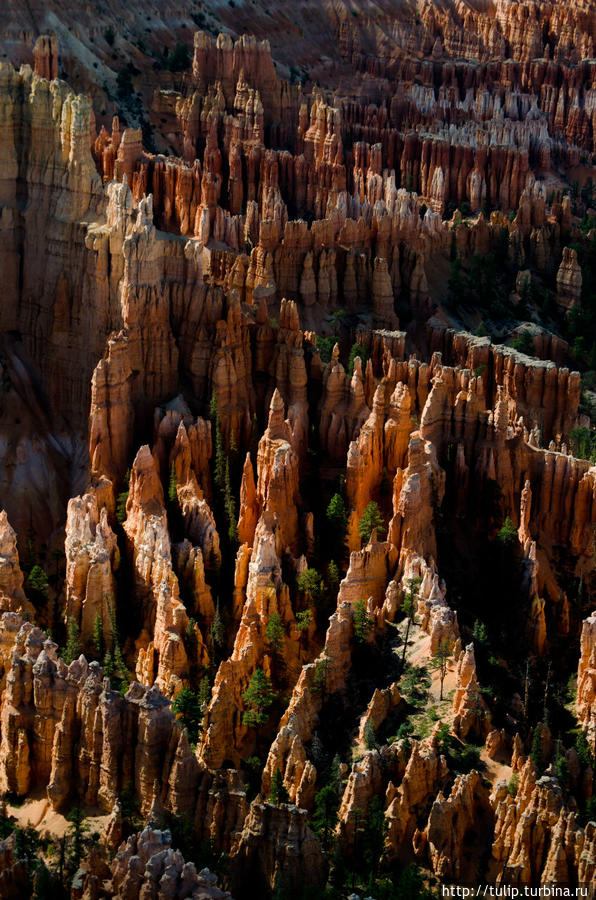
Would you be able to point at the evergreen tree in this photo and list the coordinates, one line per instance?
(258, 697)
(310, 583)
(217, 629)
(337, 519)
(324, 817)
(536, 751)
(409, 607)
(275, 632)
(38, 580)
(332, 578)
(172, 485)
(98, 641)
(303, 620)
(507, 535)
(319, 682)
(187, 707)
(108, 665)
(73, 641)
(371, 520)
(204, 693)
(230, 505)
(219, 469)
(440, 660)
(375, 832)
(362, 623)
(278, 793)
(123, 499)
(370, 738)
(77, 839)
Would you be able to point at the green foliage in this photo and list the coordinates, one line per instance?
(230, 505)
(375, 832)
(325, 347)
(258, 698)
(303, 619)
(371, 520)
(311, 584)
(370, 737)
(98, 639)
(479, 633)
(204, 693)
(362, 623)
(78, 840)
(507, 535)
(172, 485)
(440, 660)
(275, 632)
(583, 750)
(583, 443)
(122, 499)
(38, 580)
(414, 684)
(589, 813)
(513, 785)
(409, 606)
(108, 665)
(536, 751)
(324, 817)
(217, 628)
(73, 647)
(319, 682)
(461, 757)
(179, 59)
(219, 466)
(131, 817)
(278, 793)
(332, 577)
(561, 768)
(337, 519)
(361, 350)
(187, 707)
(524, 343)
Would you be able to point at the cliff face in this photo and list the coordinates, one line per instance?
(306, 543)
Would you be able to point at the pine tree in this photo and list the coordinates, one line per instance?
(38, 580)
(440, 660)
(362, 623)
(108, 665)
(324, 817)
(409, 607)
(310, 583)
(98, 641)
(219, 470)
(172, 485)
(123, 499)
(338, 522)
(275, 632)
(507, 535)
(187, 707)
(536, 751)
(258, 697)
(371, 520)
(370, 738)
(303, 620)
(332, 577)
(230, 505)
(204, 693)
(278, 793)
(77, 839)
(73, 641)
(217, 629)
